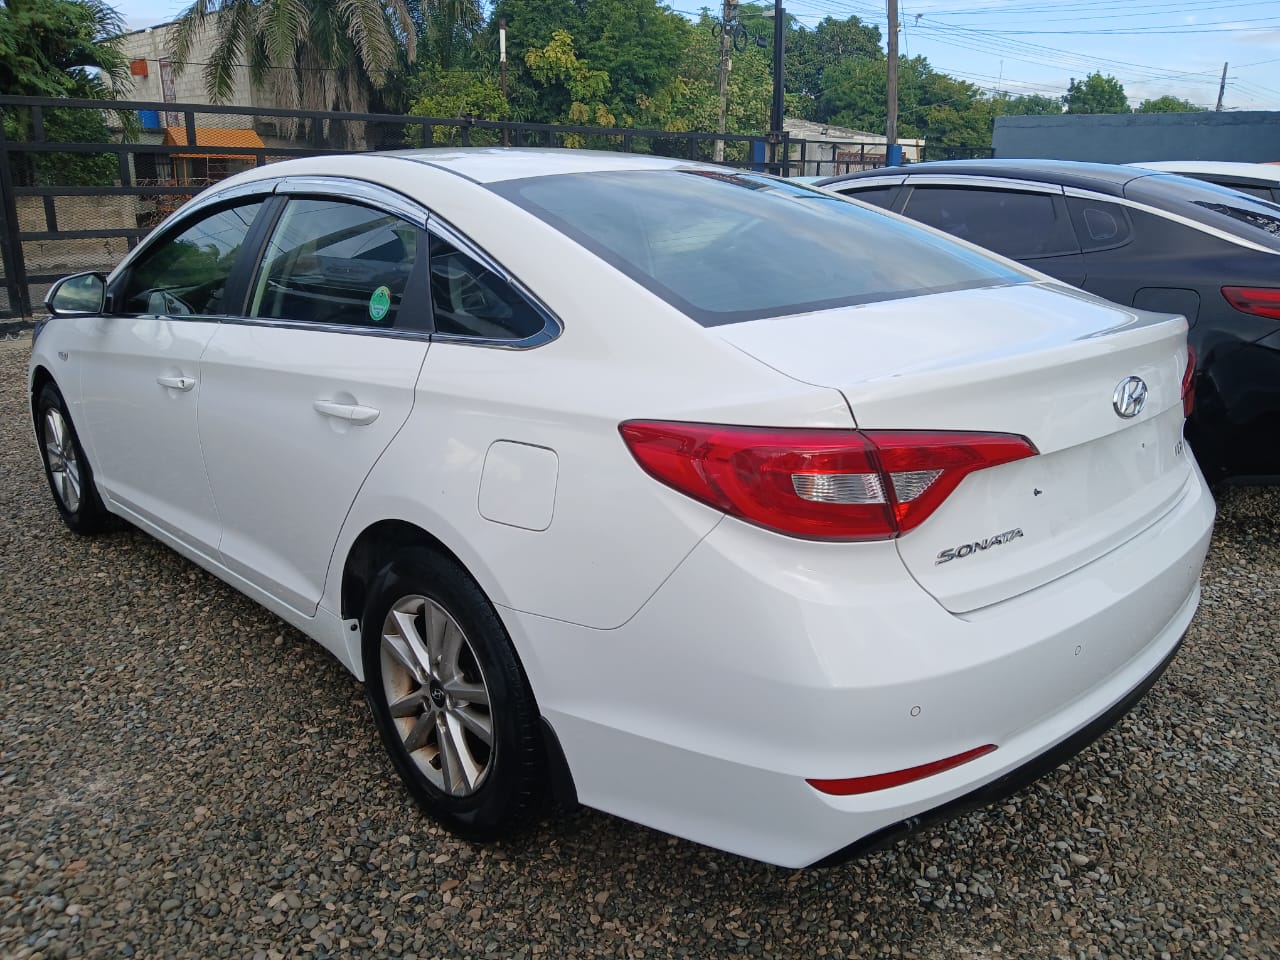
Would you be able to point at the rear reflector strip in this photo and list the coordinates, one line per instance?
(883, 781)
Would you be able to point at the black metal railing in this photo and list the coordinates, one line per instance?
(81, 181)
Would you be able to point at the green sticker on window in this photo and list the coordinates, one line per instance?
(379, 303)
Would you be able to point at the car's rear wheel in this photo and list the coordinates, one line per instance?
(65, 465)
(450, 699)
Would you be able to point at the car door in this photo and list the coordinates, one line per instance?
(1026, 222)
(302, 395)
(140, 377)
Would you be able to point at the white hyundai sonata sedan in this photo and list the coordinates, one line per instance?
(722, 504)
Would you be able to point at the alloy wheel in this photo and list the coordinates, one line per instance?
(64, 467)
(437, 696)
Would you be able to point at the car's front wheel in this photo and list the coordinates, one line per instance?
(65, 465)
(450, 699)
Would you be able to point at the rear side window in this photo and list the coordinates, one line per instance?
(1254, 190)
(333, 262)
(1257, 221)
(1017, 224)
(470, 300)
(186, 274)
(727, 247)
(1099, 225)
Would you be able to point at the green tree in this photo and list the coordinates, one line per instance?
(809, 54)
(1096, 94)
(1167, 104)
(1026, 106)
(325, 54)
(941, 109)
(639, 43)
(459, 93)
(61, 48)
(558, 67)
(691, 103)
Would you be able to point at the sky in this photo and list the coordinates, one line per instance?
(1153, 47)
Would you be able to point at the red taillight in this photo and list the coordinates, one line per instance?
(883, 781)
(820, 484)
(1189, 383)
(1259, 301)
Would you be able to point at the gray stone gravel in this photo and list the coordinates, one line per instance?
(182, 775)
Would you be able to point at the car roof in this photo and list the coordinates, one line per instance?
(1225, 168)
(1106, 178)
(494, 164)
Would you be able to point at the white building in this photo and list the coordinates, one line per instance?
(828, 150)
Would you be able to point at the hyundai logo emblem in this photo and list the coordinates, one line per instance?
(1130, 397)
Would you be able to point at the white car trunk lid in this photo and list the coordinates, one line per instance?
(1039, 360)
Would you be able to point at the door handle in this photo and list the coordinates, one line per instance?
(177, 383)
(351, 412)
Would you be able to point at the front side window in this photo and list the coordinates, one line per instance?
(334, 262)
(1016, 224)
(186, 274)
(728, 247)
(470, 300)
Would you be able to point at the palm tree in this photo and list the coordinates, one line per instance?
(315, 54)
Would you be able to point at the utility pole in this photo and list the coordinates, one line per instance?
(502, 59)
(730, 15)
(891, 107)
(776, 119)
(1222, 87)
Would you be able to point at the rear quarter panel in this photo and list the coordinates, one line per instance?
(615, 533)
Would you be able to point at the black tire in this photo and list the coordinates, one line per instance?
(508, 795)
(66, 468)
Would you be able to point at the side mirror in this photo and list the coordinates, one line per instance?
(80, 295)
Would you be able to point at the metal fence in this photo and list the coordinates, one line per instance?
(81, 181)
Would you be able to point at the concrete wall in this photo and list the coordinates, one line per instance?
(152, 45)
(1252, 135)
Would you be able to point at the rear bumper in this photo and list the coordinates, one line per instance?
(1011, 782)
(763, 662)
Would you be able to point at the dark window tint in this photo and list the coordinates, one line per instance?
(1099, 225)
(1257, 221)
(1254, 190)
(726, 247)
(333, 262)
(879, 196)
(1016, 224)
(1268, 220)
(468, 299)
(186, 274)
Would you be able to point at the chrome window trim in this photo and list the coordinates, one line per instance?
(356, 191)
(999, 183)
(343, 328)
(1167, 215)
(255, 188)
(885, 181)
(551, 325)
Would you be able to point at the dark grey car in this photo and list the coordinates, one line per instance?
(1141, 238)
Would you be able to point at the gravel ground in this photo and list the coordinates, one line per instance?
(182, 775)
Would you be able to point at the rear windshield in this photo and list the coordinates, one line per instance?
(724, 247)
(1216, 206)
